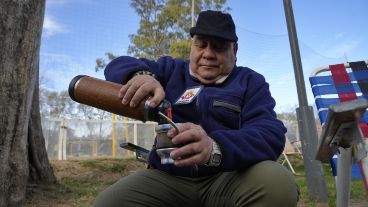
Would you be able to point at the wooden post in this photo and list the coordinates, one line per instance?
(113, 138)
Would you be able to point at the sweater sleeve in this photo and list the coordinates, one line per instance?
(261, 136)
(121, 69)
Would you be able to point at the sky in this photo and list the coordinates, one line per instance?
(77, 32)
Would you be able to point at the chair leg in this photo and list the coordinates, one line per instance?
(343, 177)
(289, 163)
(299, 152)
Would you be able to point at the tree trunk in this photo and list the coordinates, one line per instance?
(23, 157)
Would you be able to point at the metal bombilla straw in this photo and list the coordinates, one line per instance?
(164, 144)
(169, 121)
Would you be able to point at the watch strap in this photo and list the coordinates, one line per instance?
(216, 155)
(144, 72)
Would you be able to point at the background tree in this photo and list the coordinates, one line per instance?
(58, 105)
(164, 27)
(23, 157)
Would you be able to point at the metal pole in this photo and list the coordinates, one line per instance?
(126, 126)
(113, 137)
(306, 121)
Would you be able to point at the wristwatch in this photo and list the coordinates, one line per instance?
(144, 72)
(216, 155)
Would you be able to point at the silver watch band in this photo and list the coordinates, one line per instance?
(216, 155)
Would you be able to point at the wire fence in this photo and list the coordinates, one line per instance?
(72, 139)
(68, 139)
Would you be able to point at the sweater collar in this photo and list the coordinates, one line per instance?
(219, 81)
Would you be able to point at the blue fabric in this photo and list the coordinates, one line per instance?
(354, 76)
(324, 85)
(252, 135)
(315, 80)
(359, 75)
(336, 89)
(355, 170)
(322, 116)
(326, 102)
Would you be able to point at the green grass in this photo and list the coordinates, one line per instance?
(81, 181)
(86, 188)
(358, 193)
(105, 165)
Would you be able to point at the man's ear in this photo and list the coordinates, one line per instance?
(235, 48)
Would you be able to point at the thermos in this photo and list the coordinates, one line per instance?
(103, 95)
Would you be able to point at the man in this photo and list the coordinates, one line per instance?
(229, 132)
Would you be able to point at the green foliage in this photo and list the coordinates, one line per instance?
(180, 49)
(101, 63)
(164, 26)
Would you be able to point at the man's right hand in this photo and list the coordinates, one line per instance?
(139, 88)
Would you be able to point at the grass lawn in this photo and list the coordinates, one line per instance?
(359, 197)
(81, 181)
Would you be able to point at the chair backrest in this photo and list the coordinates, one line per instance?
(340, 83)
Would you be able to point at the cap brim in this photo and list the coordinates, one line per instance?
(198, 31)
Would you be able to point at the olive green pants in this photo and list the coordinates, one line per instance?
(264, 184)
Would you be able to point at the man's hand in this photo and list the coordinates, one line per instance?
(197, 145)
(140, 87)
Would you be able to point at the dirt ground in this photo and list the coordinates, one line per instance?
(79, 182)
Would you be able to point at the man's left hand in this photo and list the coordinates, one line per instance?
(196, 145)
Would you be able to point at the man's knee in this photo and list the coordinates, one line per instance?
(126, 191)
(116, 194)
(273, 185)
(144, 188)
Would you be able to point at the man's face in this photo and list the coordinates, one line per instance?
(211, 58)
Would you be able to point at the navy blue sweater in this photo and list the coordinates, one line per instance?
(238, 113)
